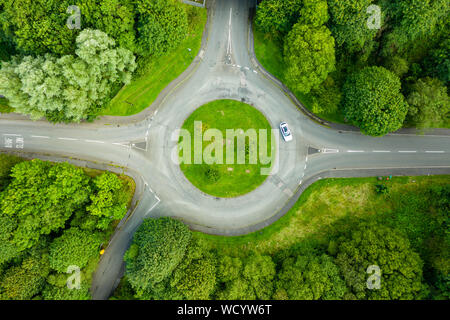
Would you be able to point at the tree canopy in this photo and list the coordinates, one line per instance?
(158, 247)
(428, 102)
(309, 55)
(373, 101)
(67, 88)
(73, 248)
(371, 243)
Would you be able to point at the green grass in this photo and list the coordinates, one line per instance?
(269, 52)
(4, 108)
(321, 205)
(226, 180)
(143, 91)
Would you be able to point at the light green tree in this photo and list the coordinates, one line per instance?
(309, 55)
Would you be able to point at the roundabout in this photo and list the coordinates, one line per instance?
(233, 202)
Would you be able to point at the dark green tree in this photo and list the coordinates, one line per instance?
(158, 247)
(310, 277)
(162, 25)
(277, 16)
(429, 104)
(373, 101)
(373, 244)
(41, 198)
(349, 24)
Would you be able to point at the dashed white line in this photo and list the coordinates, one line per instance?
(407, 151)
(68, 139)
(94, 141)
(12, 134)
(354, 151)
(381, 151)
(41, 137)
(435, 151)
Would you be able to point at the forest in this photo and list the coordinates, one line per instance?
(377, 64)
(400, 228)
(70, 74)
(54, 216)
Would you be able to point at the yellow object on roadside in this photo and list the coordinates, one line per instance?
(102, 251)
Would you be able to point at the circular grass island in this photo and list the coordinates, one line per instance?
(226, 129)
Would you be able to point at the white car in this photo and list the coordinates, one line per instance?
(285, 132)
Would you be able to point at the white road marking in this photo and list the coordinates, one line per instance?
(12, 134)
(330, 150)
(381, 151)
(68, 139)
(435, 151)
(238, 66)
(407, 151)
(246, 68)
(41, 137)
(255, 71)
(353, 151)
(94, 141)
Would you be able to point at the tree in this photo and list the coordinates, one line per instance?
(314, 12)
(7, 162)
(108, 202)
(429, 103)
(437, 64)
(194, 278)
(309, 55)
(162, 25)
(114, 17)
(349, 24)
(41, 197)
(158, 247)
(397, 65)
(371, 243)
(309, 277)
(250, 279)
(63, 293)
(39, 26)
(74, 247)
(413, 20)
(69, 88)
(24, 281)
(372, 101)
(277, 16)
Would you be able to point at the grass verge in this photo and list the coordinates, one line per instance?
(325, 202)
(143, 91)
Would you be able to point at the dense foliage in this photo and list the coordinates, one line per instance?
(46, 214)
(409, 246)
(412, 41)
(158, 247)
(67, 88)
(373, 101)
(69, 75)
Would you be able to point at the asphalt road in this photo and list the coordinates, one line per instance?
(224, 70)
